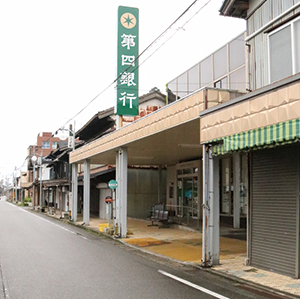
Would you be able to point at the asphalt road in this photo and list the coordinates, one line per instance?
(44, 258)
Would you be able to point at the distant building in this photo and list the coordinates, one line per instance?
(45, 143)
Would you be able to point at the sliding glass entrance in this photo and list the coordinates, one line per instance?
(188, 185)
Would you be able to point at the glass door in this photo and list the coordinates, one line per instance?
(227, 187)
(187, 196)
(179, 198)
(188, 176)
(195, 197)
(190, 196)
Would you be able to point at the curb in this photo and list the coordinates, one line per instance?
(251, 284)
(248, 283)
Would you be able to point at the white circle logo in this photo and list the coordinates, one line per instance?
(128, 20)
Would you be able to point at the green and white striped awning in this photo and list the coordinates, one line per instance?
(270, 136)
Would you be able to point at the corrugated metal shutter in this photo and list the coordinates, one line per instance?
(274, 209)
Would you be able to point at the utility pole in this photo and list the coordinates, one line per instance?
(73, 180)
(41, 164)
(33, 159)
(13, 197)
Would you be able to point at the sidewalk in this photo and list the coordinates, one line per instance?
(185, 245)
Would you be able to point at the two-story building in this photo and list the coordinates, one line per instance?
(254, 139)
(45, 143)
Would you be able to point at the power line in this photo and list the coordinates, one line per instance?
(174, 33)
(143, 52)
(139, 56)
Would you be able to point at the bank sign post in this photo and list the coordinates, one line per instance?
(127, 68)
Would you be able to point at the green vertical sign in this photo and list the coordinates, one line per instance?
(127, 69)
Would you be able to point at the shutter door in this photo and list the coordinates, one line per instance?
(274, 209)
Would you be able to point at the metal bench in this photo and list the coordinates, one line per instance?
(160, 216)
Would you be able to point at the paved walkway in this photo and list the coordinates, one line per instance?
(185, 245)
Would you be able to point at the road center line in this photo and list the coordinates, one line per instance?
(216, 295)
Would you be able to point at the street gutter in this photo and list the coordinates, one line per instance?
(251, 285)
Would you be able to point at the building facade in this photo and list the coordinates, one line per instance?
(240, 159)
(262, 128)
(36, 171)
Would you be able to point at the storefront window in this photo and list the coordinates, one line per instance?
(188, 190)
(188, 196)
(179, 198)
(226, 187)
(195, 202)
(187, 170)
(179, 171)
(244, 185)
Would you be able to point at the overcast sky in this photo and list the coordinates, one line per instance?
(58, 55)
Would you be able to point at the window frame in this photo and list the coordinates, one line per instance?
(44, 144)
(55, 143)
(293, 46)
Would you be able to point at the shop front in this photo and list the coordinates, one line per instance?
(187, 204)
(234, 190)
(259, 132)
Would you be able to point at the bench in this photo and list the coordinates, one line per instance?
(160, 216)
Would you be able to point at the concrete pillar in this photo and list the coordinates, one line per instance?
(116, 204)
(249, 204)
(205, 207)
(159, 189)
(211, 213)
(74, 191)
(86, 192)
(236, 190)
(123, 165)
(214, 212)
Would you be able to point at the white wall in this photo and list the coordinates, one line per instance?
(143, 191)
(171, 182)
(45, 173)
(102, 210)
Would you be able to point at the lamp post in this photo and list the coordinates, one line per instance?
(71, 144)
(16, 184)
(40, 162)
(33, 159)
(40, 176)
(13, 195)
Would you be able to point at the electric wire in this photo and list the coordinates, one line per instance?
(137, 58)
(142, 53)
(174, 33)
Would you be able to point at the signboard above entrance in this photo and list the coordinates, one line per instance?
(127, 59)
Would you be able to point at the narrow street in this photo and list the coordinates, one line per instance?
(44, 258)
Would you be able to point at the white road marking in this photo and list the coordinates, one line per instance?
(74, 233)
(216, 295)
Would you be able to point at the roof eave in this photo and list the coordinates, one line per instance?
(235, 8)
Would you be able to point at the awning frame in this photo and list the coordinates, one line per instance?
(266, 137)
